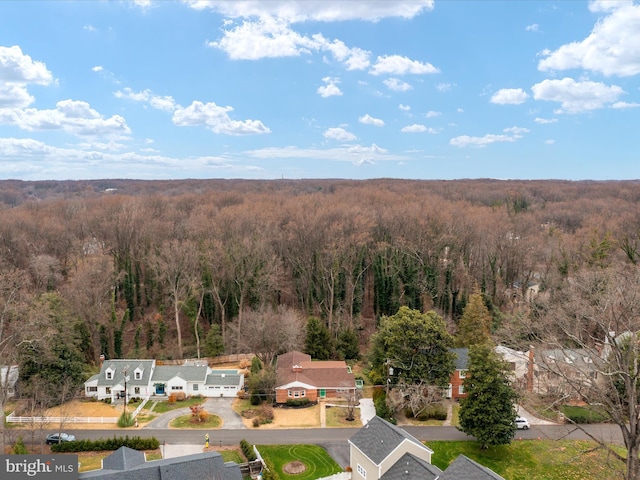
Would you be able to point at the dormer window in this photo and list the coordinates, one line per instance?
(137, 375)
(109, 374)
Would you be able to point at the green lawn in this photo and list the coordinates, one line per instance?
(185, 421)
(232, 456)
(318, 462)
(164, 407)
(535, 459)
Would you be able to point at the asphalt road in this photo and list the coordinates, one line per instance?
(322, 436)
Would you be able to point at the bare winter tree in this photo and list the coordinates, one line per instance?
(592, 328)
(351, 397)
(415, 397)
(268, 332)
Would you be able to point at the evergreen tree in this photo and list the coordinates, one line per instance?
(213, 345)
(256, 365)
(488, 413)
(347, 344)
(318, 340)
(475, 324)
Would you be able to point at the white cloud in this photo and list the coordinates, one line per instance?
(469, 141)
(404, 108)
(71, 116)
(89, 28)
(399, 65)
(549, 142)
(397, 85)
(356, 154)
(444, 87)
(369, 120)
(14, 95)
(622, 105)
(97, 68)
(271, 37)
(216, 119)
(534, 27)
(330, 89)
(509, 96)
(339, 134)
(16, 67)
(417, 128)
(164, 103)
(433, 114)
(612, 48)
(324, 11)
(576, 97)
(544, 121)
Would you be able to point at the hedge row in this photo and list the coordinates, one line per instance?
(247, 449)
(136, 443)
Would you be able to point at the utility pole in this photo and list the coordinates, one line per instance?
(126, 379)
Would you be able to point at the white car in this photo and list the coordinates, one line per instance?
(522, 423)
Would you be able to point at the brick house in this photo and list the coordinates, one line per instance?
(298, 377)
(455, 390)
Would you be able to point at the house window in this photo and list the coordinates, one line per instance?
(462, 374)
(289, 394)
(176, 387)
(296, 394)
(136, 390)
(108, 390)
(361, 471)
(195, 387)
(461, 390)
(92, 389)
(109, 375)
(137, 375)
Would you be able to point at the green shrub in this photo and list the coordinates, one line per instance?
(269, 473)
(19, 448)
(583, 414)
(298, 402)
(382, 410)
(255, 399)
(136, 443)
(125, 420)
(247, 449)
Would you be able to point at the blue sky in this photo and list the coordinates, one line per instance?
(264, 89)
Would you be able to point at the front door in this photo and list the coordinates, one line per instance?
(323, 393)
(160, 389)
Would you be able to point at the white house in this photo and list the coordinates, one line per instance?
(145, 377)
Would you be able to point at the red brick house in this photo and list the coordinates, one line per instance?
(298, 377)
(456, 383)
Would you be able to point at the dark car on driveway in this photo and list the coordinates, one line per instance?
(59, 438)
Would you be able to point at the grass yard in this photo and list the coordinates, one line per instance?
(535, 459)
(337, 417)
(318, 462)
(185, 421)
(164, 407)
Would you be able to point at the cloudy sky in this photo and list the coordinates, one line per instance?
(444, 89)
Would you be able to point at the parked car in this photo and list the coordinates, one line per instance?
(59, 438)
(522, 423)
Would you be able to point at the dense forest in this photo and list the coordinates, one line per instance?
(147, 268)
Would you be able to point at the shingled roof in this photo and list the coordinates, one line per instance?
(378, 438)
(463, 468)
(411, 467)
(296, 368)
(189, 373)
(124, 464)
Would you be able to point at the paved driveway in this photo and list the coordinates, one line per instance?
(217, 406)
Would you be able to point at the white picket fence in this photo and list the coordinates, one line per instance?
(12, 418)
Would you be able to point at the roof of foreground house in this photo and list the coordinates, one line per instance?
(128, 464)
(297, 367)
(378, 438)
(462, 358)
(189, 373)
(411, 467)
(118, 367)
(463, 468)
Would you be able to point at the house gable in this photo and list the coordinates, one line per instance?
(463, 468)
(411, 467)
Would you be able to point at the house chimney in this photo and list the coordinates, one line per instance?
(102, 357)
(297, 368)
(530, 369)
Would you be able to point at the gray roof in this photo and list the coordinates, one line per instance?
(462, 358)
(224, 379)
(411, 467)
(131, 365)
(189, 373)
(463, 468)
(200, 466)
(378, 438)
(124, 458)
